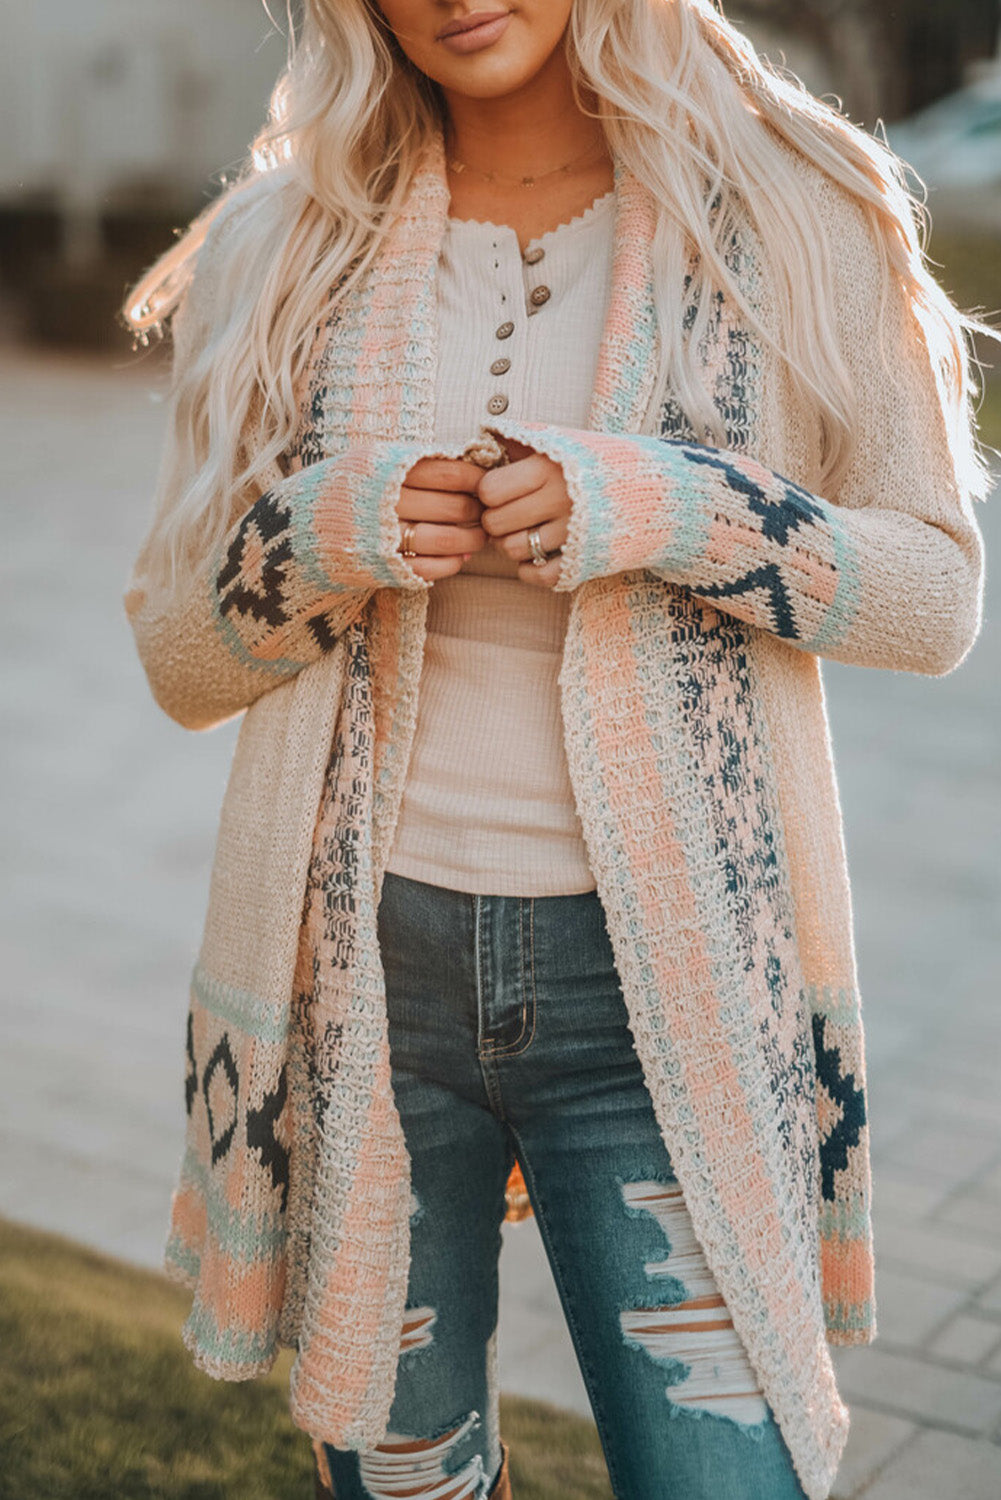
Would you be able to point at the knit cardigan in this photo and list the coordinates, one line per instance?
(706, 584)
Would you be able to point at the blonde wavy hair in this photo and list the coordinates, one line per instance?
(687, 105)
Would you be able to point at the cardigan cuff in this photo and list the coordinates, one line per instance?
(713, 521)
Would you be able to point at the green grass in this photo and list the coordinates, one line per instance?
(968, 266)
(989, 416)
(99, 1398)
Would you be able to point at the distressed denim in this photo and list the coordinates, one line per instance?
(509, 1039)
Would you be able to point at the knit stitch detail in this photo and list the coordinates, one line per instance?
(700, 761)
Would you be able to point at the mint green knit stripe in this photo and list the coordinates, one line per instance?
(179, 1253)
(844, 1220)
(840, 1007)
(238, 1235)
(232, 1346)
(843, 608)
(387, 466)
(254, 1016)
(849, 1317)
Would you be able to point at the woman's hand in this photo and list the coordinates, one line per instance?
(529, 492)
(438, 496)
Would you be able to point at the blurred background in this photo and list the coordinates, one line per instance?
(119, 119)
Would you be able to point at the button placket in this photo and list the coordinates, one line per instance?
(499, 401)
(537, 296)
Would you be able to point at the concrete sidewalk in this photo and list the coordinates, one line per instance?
(109, 823)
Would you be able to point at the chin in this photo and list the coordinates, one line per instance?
(490, 78)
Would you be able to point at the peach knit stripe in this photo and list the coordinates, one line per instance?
(741, 1224)
(695, 537)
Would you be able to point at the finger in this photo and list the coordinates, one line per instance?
(432, 540)
(541, 577)
(510, 482)
(444, 474)
(433, 568)
(551, 503)
(458, 509)
(552, 535)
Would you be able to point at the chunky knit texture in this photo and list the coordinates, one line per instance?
(705, 585)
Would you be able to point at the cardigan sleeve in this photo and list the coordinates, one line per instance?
(291, 574)
(289, 578)
(886, 573)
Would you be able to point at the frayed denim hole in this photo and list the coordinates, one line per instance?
(423, 1469)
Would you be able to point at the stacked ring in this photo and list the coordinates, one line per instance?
(539, 555)
(407, 544)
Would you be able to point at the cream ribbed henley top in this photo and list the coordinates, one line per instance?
(488, 806)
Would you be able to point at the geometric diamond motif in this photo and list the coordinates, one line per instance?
(261, 1136)
(256, 566)
(224, 1089)
(191, 1075)
(841, 1110)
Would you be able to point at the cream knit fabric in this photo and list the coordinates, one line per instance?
(488, 804)
(705, 586)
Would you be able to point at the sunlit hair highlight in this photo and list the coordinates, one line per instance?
(687, 105)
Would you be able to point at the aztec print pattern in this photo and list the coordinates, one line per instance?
(711, 1014)
(232, 1193)
(718, 523)
(673, 762)
(713, 767)
(348, 1265)
(292, 570)
(845, 1224)
(348, 1128)
(837, 1058)
(627, 493)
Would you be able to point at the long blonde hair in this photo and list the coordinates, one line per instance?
(687, 105)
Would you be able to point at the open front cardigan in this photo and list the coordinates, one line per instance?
(706, 583)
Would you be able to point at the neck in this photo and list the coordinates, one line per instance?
(538, 127)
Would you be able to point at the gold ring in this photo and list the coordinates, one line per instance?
(407, 544)
(539, 554)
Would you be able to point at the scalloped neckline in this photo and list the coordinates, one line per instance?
(592, 211)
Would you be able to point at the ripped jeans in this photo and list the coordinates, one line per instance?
(509, 1038)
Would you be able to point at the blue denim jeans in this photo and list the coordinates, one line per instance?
(509, 1039)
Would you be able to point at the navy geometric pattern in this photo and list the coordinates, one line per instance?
(220, 1070)
(261, 1136)
(784, 509)
(788, 511)
(191, 1074)
(266, 524)
(850, 1101)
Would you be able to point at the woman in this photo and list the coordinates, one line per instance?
(578, 295)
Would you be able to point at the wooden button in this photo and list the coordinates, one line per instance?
(539, 295)
(532, 257)
(500, 367)
(496, 405)
(505, 330)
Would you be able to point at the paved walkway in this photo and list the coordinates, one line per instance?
(109, 819)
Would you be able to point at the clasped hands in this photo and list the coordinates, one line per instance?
(455, 508)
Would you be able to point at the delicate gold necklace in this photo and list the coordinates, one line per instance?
(526, 182)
